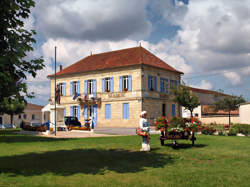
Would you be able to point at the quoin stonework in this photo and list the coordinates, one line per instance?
(113, 88)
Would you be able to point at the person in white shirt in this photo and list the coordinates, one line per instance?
(144, 126)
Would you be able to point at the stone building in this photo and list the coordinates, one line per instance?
(114, 87)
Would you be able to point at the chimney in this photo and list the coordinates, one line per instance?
(61, 68)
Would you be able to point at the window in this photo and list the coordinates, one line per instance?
(152, 83)
(24, 116)
(62, 87)
(125, 111)
(74, 87)
(163, 109)
(173, 84)
(90, 86)
(125, 83)
(1, 120)
(19, 116)
(33, 116)
(107, 84)
(107, 111)
(164, 85)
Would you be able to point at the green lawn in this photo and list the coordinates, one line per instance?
(116, 161)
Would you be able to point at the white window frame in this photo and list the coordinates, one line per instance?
(107, 84)
(125, 82)
(90, 86)
(152, 83)
(74, 87)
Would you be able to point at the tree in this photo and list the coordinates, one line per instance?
(186, 98)
(12, 107)
(228, 104)
(15, 43)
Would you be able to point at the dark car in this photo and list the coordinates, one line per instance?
(71, 121)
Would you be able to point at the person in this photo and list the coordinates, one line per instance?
(144, 126)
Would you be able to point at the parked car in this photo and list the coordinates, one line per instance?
(71, 121)
(7, 126)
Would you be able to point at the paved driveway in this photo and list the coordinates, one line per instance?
(119, 131)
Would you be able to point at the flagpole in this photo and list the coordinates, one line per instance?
(55, 92)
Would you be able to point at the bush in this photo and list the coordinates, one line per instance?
(177, 122)
(233, 131)
(242, 128)
(208, 130)
(221, 133)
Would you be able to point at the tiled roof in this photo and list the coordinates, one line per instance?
(209, 110)
(198, 90)
(114, 59)
(33, 107)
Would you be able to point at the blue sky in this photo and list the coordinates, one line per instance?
(206, 39)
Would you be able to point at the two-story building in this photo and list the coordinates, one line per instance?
(114, 87)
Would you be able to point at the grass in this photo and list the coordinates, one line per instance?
(115, 161)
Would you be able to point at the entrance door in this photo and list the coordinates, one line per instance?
(163, 109)
(91, 112)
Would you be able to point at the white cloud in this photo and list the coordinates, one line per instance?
(204, 85)
(233, 77)
(92, 20)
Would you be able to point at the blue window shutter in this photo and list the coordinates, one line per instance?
(107, 111)
(78, 87)
(64, 88)
(149, 82)
(125, 111)
(94, 88)
(173, 109)
(111, 84)
(85, 87)
(95, 115)
(103, 85)
(64, 112)
(129, 83)
(71, 110)
(78, 112)
(120, 83)
(85, 112)
(167, 85)
(155, 79)
(71, 88)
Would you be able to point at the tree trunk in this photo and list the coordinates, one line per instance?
(229, 114)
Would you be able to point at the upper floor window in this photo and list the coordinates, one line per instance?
(24, 116)
(152, 83)
(19, 116)
(126, 83)
(107, 84)
(74, 87)
(33, 116)
(90, 86)
(173, 84)
(62, 87)
(164, 85)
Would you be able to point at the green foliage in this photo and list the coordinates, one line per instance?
(233, 131)
(177, 122)
(208, 130)
(229, 104)
(242, 128)
(186, 98)
(15, 43)
(161, 122)
(12, 107)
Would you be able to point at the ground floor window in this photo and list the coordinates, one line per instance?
(75, 111)
(163, 109)
(107, 111)
(173, 110)
(125, 112)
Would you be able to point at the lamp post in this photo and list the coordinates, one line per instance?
(55, 93)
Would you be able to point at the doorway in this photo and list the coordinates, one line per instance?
(163, 109)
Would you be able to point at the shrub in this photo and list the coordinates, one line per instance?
(221, 133)
(161, 122)
(233, 131)
(242, 128)
(177, 122)
(208, 130)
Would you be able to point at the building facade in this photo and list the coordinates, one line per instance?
(113, 88)
(31, 113)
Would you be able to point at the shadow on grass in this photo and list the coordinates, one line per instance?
(87, 161)
(185, 146)
(13, 136)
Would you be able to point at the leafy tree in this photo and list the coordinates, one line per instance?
(228, 104)
(12, 107)
(15, 43)
(186, 98)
